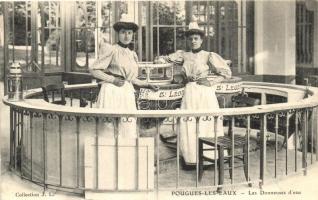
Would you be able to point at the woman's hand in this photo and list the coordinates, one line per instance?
(154, 87)
(159, 60)
(204, 82)
(119, 82)
(191, 78)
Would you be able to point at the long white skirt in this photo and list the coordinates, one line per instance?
(117, 98)
(198, 97)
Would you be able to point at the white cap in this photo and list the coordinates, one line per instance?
(194, 27)
(126, 18)
(126, 21)
(194, 23)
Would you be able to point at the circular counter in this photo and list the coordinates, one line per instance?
(47, 141)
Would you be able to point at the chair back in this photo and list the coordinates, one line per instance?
(54, 90)
(243, 100)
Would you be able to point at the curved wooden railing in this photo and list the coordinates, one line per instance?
(36, 126)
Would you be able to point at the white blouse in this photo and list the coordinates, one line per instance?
(117, 60)
(198, 64)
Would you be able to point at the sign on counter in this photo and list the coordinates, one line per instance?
(227, 88)
(167, 94)
(173, 94)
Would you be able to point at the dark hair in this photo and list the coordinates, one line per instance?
(125, 25)
(194, 32)
(201, 36)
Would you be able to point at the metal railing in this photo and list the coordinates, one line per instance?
(42, 136)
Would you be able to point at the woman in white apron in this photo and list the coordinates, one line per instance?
(198, 94)
(118, 70)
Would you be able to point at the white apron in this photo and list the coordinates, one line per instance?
(117, 98)
(198, 97)
(121, 61)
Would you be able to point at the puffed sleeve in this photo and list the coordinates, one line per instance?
(135, 79)
(106, 56)
(219, 65)
(135, 69)
(176, 58)
(135, 56)
(98, 67)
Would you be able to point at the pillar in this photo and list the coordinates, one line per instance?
(275, 36)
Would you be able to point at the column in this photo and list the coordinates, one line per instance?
(275, 36)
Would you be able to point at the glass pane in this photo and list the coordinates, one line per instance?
(181, 42)
(49, 50)
(85, 14)
(230, 32)
(20, 15)
(202, 8)
(89, 41)
(80, 47)
(123, 8)
(180, 12)
(155, 42)
(194, 8)
(80, 20)
(105, 24)
(144, 43)
(154, 13)
(52, 48)
(10, 32)
(39, 35)
(304, 32)
(28, 36)
(134, 44)
(104, 36)
(144, 14)
(201, 18)
(222, 12)
(91, 13)
(166, 13)
(20, 33)
(90, 45)
(51, 12)
(106, 7)
(212, 10)
(166, 41)
(106, 15)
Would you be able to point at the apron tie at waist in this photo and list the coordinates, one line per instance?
(116, 75)
(196, 80)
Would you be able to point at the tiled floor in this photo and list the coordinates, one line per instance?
(12, 186)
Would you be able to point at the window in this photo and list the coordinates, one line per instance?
(18, 30)
(304, 35)
(93, 27)
(168, 19)
(63, 36)
(226, 25)
(34, 35)
(49, 35)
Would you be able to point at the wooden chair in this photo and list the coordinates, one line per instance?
(54, 89)
(225, 143)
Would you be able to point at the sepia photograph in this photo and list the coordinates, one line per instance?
(159, 100)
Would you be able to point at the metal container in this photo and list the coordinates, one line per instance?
(15, 83)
